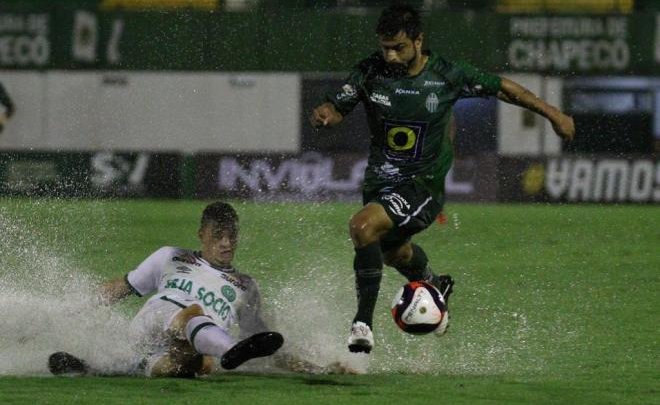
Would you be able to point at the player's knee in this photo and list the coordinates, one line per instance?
(358, 227)
(366, 228)
(178, 325)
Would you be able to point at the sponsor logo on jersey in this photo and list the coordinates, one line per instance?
(210, 299)
(411, 92)
(404, 139)
(347, 91)
(233, 281)
(182, 284)
(214, 302)
(433, 83)
(380, 99)
(388, 171)
(397, 204)
(432, 103)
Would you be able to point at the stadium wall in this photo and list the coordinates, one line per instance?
(165, 104)
(65, 37)
(156, 111)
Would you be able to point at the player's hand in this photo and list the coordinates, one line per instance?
(325, 115)
(564, 126)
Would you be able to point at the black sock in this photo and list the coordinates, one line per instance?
(368, 266)
(417, 268)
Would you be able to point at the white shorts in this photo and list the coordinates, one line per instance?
(150, 323)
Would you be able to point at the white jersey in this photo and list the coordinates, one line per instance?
(225, 295)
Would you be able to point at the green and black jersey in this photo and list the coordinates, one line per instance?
(409, 117)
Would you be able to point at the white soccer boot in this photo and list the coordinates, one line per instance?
(361, 339)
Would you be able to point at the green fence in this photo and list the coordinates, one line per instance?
(307, 40)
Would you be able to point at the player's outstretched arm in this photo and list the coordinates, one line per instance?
(115, 290)
(513, 93)
(325, 115)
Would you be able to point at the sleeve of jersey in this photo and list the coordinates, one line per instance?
(347, 97)
(250, 317)
(477, 83)
(146, 277)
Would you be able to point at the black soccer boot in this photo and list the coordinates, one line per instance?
(445, 284)
(259, 345)
(64, 363)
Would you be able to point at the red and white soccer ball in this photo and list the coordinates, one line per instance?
(419, 308)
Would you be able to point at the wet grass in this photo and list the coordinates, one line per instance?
(553, 304)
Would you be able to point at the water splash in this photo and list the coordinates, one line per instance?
(315, 312)
(49, 305)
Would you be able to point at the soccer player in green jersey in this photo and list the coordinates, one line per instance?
(408, 94)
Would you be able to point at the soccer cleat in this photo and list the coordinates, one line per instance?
(259, 345)
(444, 284)
(64, 363)
(361, 339)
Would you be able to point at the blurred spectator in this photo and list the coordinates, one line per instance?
(6, 107)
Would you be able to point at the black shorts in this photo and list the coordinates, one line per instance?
(410, 206)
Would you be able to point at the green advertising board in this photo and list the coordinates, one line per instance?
(91, 174)
(305, 40)
(569, 45)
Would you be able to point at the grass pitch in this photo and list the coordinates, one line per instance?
(553, 304)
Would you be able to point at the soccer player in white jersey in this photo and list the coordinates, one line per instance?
(198, 296)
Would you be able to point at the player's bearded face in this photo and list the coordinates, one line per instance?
(218, 243)
(400, 53)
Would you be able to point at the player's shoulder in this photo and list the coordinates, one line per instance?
(246, 280)
(173, 253)
(440, 65)
(452, 70)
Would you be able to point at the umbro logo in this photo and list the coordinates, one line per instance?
(183, 270)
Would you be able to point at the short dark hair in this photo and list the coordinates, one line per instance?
(397, 18)
(220, 213)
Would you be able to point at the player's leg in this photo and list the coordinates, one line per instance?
(180, 359)
(410, 261)
(209, 339)
(413, 209)
(367, 226)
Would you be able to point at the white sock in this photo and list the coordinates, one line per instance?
(208, 338)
